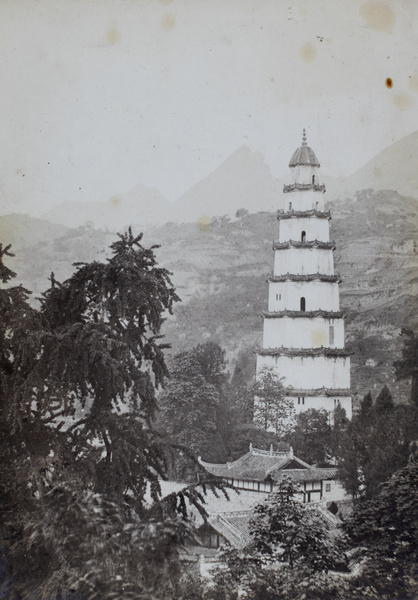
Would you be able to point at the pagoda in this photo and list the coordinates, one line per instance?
(303, 339)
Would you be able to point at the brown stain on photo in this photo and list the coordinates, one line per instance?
(378, 16)
(389, 82)
(112, 35)
(319, 337)
(115, 201)
(308, 52)
(203, 222)
(168, 22)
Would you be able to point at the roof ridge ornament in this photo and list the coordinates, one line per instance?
(304, 142)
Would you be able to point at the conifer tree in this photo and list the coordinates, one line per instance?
(407, 367)
(93, 365)
(375, 444)
(386, 528)
(79, 453)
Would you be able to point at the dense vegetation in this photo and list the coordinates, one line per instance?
(87, 434)
(296, 554)
(82, 515)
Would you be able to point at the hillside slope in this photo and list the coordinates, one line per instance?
(220, 273)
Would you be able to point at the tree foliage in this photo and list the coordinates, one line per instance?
(273, 410)
(80, 457)
(311, 437)
(191, 403)
(375, 444)
(386, 527)
(407, 366)
(290, 532)
(291, 554)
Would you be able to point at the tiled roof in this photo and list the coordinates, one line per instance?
(312, 474)
(234, 527)
(256, 465)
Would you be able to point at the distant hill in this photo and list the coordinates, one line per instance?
(395, 168)
(141, 206)
(220, 273)
(243, 180)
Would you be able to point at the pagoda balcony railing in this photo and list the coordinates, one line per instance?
(296, 314)
(309, 277)
(321, 351)
(295, 244)
(294, 187)
(320, 214)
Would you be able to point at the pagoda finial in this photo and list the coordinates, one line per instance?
(304, 138)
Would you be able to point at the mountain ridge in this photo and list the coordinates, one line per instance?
(243, 180)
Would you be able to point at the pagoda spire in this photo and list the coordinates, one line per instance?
(304, 142)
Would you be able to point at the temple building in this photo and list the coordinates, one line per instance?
(303, 339)
(263, 471)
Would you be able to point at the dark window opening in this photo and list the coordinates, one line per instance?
(301, 400)
(331, 335)
(290, 206)
(313, 178)
(302, 304)
(303, 236)
(316, 205)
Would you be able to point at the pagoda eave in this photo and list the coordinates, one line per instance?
(296, 314)
(326, 214)
(299, 352)
(313, 244)
(309, 277)
(295, 187)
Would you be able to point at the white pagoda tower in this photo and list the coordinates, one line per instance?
(303, 338)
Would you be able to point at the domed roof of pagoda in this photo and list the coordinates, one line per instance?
(304, 155)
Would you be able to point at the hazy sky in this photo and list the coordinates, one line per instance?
(98, 96)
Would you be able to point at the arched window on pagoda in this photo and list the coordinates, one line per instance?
(303, 236)
(302, 304)
(290, 206)
(313, 179)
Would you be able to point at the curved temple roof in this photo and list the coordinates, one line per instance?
(304, 155)
(258, 465)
